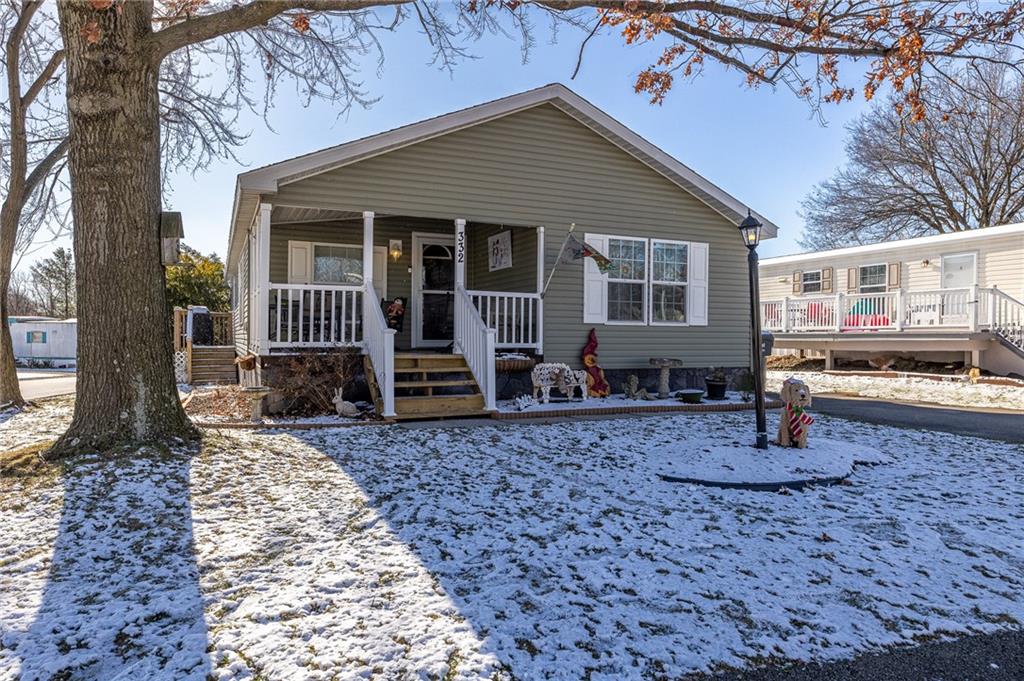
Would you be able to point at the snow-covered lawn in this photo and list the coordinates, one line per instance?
(559, 403)
(539, 551)
(954, 392)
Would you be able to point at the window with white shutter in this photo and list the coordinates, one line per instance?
(652, 282)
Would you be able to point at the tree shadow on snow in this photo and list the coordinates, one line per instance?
(555, 557)
(122, 598)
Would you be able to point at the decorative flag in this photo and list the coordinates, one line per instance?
(577, 250)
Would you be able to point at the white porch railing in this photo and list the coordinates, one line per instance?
(476, 342)
(964, 308)
(514, 317)
(379, 344)
(1007, 317)
(315, 315)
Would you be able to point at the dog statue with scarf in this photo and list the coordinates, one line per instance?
(795, 420)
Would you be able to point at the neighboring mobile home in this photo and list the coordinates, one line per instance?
(45, 340)
(947, 297)
(461, 218)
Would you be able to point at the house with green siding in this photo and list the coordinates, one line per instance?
(435, 248)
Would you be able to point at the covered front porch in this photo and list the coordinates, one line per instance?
(396, 283)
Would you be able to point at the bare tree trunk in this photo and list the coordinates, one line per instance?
(10, 391)
(126, 388)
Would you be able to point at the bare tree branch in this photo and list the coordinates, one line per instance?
(960, 169)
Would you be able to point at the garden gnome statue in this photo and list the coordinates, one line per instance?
(597, 385)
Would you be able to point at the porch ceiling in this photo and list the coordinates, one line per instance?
(285, 214)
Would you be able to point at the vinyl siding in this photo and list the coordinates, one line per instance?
(240, 311)
(521, 277)
(1000, 263)
(541, 167)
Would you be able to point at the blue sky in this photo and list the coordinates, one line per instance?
(765, 147)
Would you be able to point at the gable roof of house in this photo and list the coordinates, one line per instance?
(916, 242)
(267, 179)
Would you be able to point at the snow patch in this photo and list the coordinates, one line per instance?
(954, 392)
(739, 463)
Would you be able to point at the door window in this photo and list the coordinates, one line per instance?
(437, 302)
(958, 270)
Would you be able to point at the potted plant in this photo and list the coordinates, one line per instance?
(716, 383)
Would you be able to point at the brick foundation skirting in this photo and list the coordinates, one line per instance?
(637, 409)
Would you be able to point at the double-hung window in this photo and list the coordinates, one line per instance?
(337, 264)
(652, 282)
(872, 279)
(810, 282)
(627, 280)
(669, 269)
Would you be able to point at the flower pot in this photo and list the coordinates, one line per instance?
(506, 365)
(716, 389)
(690, 396)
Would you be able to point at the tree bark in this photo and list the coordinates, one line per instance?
(10, 391)
(126, 388)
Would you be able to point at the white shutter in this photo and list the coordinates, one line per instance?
(595, 284)
(697, 288)
(299, 259)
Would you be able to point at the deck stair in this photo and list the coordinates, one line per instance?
(213, 364)
(435, 385)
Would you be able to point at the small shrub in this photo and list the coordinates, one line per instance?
(307, 380)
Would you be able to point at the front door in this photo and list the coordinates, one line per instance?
(433, 280)
(958, 272)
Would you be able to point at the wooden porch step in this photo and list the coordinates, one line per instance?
(431, 362)
(439, 406)
(434, 384)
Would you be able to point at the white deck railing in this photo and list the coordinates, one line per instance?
(476, 342)
(515, 317)
(315, 315)
(1007, 315)
(962, 308)
(379, 344)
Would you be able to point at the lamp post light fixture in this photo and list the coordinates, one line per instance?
(750, 230)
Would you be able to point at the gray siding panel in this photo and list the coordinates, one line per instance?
(541, 167)
(521, 277)
(240, 311)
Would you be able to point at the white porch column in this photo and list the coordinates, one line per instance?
(263, 252)
(460, 252)
(540, 289)
(368, 246)
(975, 303)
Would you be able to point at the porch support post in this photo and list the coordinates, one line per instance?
(974, 303)
(540, 289)
(460, 252)
(368, 246)
(263, 252)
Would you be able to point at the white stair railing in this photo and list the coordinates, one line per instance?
(379, 344)
(476, 344)
(1006, 316)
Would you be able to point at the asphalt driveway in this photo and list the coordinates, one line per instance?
(39, 383)
(996, 424)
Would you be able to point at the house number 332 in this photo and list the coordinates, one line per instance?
(460, 249)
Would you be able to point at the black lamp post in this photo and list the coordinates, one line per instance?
(750, 230)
